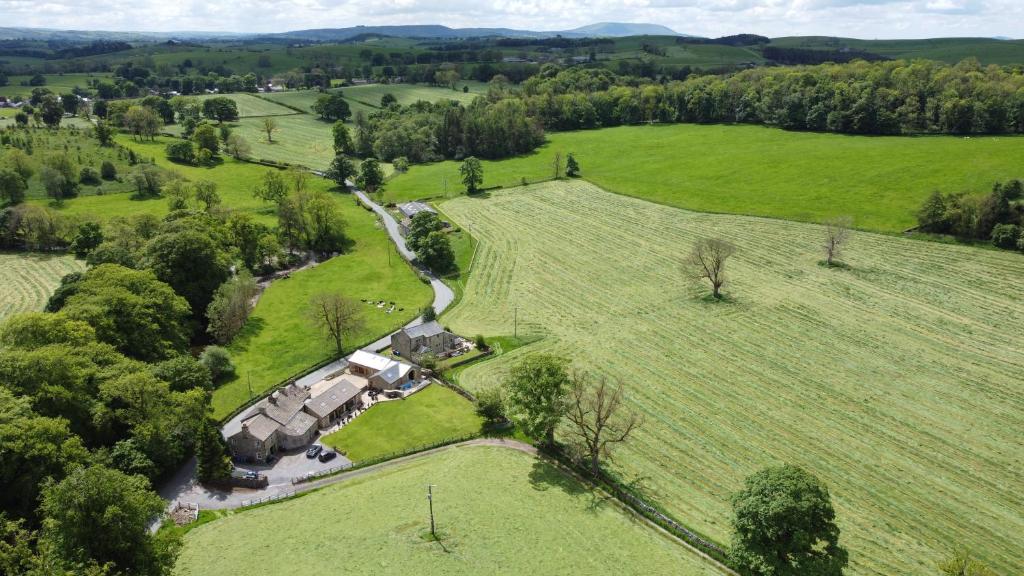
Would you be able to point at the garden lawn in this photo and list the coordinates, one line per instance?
(498, 511)
(429, 416)
(897, 381)
(28, 279)
(755, 170)
(279, 341)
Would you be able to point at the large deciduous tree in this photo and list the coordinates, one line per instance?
(336, 316)
(371, 176)
(332, 106)
(784, 525)
(536, 395)
(191, 262)
(341, 170)
(230, 307)
(472, 174)
(598, 418)
(707, 261)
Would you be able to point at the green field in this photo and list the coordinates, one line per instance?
(235, 182)
(300, 139)
(304, 100)
(27, 280)
(251, 106)
(82, 148)
(429, 416)
(897, 381)
(949, 50)
(370, 94)
(279, 341)
(879, 181)
(57, 83)
(498, 511)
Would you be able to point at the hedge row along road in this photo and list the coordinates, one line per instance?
(897, 381)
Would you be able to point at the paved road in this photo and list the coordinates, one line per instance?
(443, 295)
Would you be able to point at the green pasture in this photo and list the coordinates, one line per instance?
(949, 50)
(28, 279)
(896, 380)
(250, 106)
(57, 83)
(279, 340)
(498, 511)
(431, 415)
(879, 181)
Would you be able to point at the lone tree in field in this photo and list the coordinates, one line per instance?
(598, 418)
(237, 146)
(960, 563)
(707, 260)
(784, 525)
(472, 174)
(556, 164)
(572, 167)
(337, 316)
(536, 395)
(270, 126)
(837, 234)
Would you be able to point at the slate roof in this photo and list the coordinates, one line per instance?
(394, 372)
(332, 398)
(410, 209)
(299, 425)
(260, 427)
(426, 329)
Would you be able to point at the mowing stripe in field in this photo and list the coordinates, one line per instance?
(898, 381)
(28, 280)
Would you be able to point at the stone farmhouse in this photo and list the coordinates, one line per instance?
(427, 338)
(292, 415)
(410, 209)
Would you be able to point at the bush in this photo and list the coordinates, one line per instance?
(205, 157)
(1006, 236)
(401, 164)
(218, 361)
(182, 151)
(89, 176)
(107, 170)
(429, 314)
(481, 344)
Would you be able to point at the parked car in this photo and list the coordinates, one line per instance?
(393, 394)
(327, 456)
(314, 451)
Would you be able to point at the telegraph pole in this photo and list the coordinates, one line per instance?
(249, 376)
(430, 502)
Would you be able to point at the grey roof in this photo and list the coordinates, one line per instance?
(260, 427)
(394, 372)
(427, 329)
(332, 398)
(282, 406)
(299, 425)
(410, 209)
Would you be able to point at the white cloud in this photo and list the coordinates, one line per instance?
(861, 18)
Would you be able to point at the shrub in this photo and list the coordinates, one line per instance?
(481, 344)
(401, 164)
(182, 151)
(89, 176)
(205, 157)
(107, 170)
(429, 314)
(218, 361)
(1006, 236)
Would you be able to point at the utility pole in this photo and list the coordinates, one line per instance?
(249, 376)
(430, 501)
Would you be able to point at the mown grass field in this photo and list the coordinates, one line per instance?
(431, 415)
(811, 177)
(897, 381)
(251, 106)
(27, 280)
(300, 139)
(279, 340)
(498, 511)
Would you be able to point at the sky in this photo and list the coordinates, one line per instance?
(852, 18)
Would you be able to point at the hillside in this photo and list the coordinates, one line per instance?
(951, 50)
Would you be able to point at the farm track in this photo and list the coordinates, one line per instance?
(28, 280)
(898, 381)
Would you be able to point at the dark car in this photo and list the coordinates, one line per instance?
(314, 451)
(327, 456)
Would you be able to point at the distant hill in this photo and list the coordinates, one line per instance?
(607, 29)
(46, 34)
(618, 29)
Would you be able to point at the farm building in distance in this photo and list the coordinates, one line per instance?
(410, 209)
